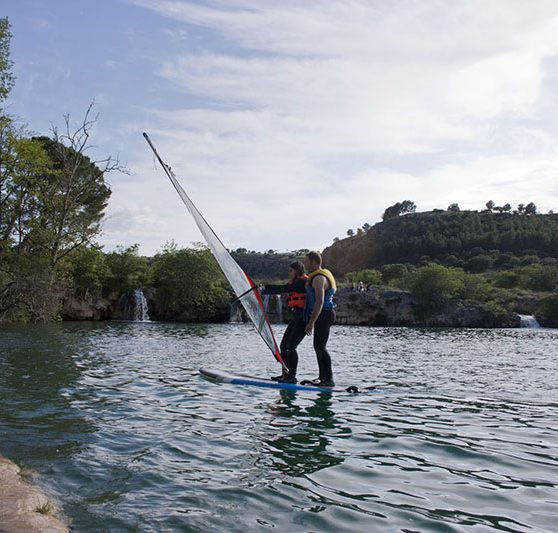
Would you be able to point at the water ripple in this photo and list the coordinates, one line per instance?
(460, 433)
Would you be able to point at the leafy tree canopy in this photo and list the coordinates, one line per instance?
(398, 209)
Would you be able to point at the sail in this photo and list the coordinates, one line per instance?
(241, 283)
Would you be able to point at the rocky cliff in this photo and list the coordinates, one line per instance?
(380, 306)
(351, 254)
(388, 307)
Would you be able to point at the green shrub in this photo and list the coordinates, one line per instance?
(127, 270)
(548, 311)
(434, 285)
(475, 287)
(507, 279)
(191, 283)
(479, 263)
(369, 276)
(538, 277)
(393, 271)
(89, 270)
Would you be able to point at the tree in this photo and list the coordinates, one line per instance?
(490, 205)
(548, 311)
(454, 208)
(479, 263)
(530, 209)
(398, 209)
(89, 270)
(350, 232)
(73, 197)
(336, 239)
(190, 285)
(6, 76)
(23, 161)
(394, 271)
(127, 270)
(368, 276)
(434, 285)
(366, 226)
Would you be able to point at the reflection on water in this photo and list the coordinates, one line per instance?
(297, 437)
(461, 433)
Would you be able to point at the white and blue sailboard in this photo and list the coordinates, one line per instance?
(242, 379)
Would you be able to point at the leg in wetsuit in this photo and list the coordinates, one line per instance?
(321, 335)
(291, 339)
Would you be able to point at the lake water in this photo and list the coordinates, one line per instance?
(461, 433)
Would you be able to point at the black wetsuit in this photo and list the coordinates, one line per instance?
(323, 324)
(321, 335)
(295, 329)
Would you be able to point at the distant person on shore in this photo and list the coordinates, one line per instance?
(319, 313)
(296, 287)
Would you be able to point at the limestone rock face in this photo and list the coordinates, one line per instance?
(350, 255)
(86, 308)
(19, 504)
(389, 307)
(376, 307)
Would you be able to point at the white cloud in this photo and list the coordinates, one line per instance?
(320, 114)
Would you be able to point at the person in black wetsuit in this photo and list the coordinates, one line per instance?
(294, 333)
(319, 313)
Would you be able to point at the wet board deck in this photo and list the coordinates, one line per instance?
(241, 379)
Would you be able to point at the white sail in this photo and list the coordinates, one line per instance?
(242, 285)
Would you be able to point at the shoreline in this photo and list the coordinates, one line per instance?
(23, 506)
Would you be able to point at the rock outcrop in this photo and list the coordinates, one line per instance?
(388, 307)
(379, 306)
(351, 254)
(86, 308)
(24, 508)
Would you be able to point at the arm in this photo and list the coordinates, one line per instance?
(298, 286)
(319, 283)
(277, 289)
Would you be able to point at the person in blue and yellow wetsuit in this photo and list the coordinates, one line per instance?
(296, 287)
(319, 313)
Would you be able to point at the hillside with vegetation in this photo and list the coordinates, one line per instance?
(503, 257)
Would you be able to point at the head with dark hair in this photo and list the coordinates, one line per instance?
(298, 267)
(312, 261)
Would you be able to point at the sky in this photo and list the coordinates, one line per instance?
(290, 122)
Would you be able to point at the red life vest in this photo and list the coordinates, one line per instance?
(297, 299)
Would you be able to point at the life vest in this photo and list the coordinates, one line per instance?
(311, 293)
(297, 300)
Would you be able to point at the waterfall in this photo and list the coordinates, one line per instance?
(272, 304)
(528, 321)
(279, 308)
(140, 307)
(236, 313)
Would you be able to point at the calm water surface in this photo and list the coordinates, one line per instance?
(461, 433)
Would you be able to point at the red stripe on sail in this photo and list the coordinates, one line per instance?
(275, 350)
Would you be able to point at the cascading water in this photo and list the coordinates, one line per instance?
(132, 306)
(141, 311)
(236, 313)
(279, 308)
(528, 321)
